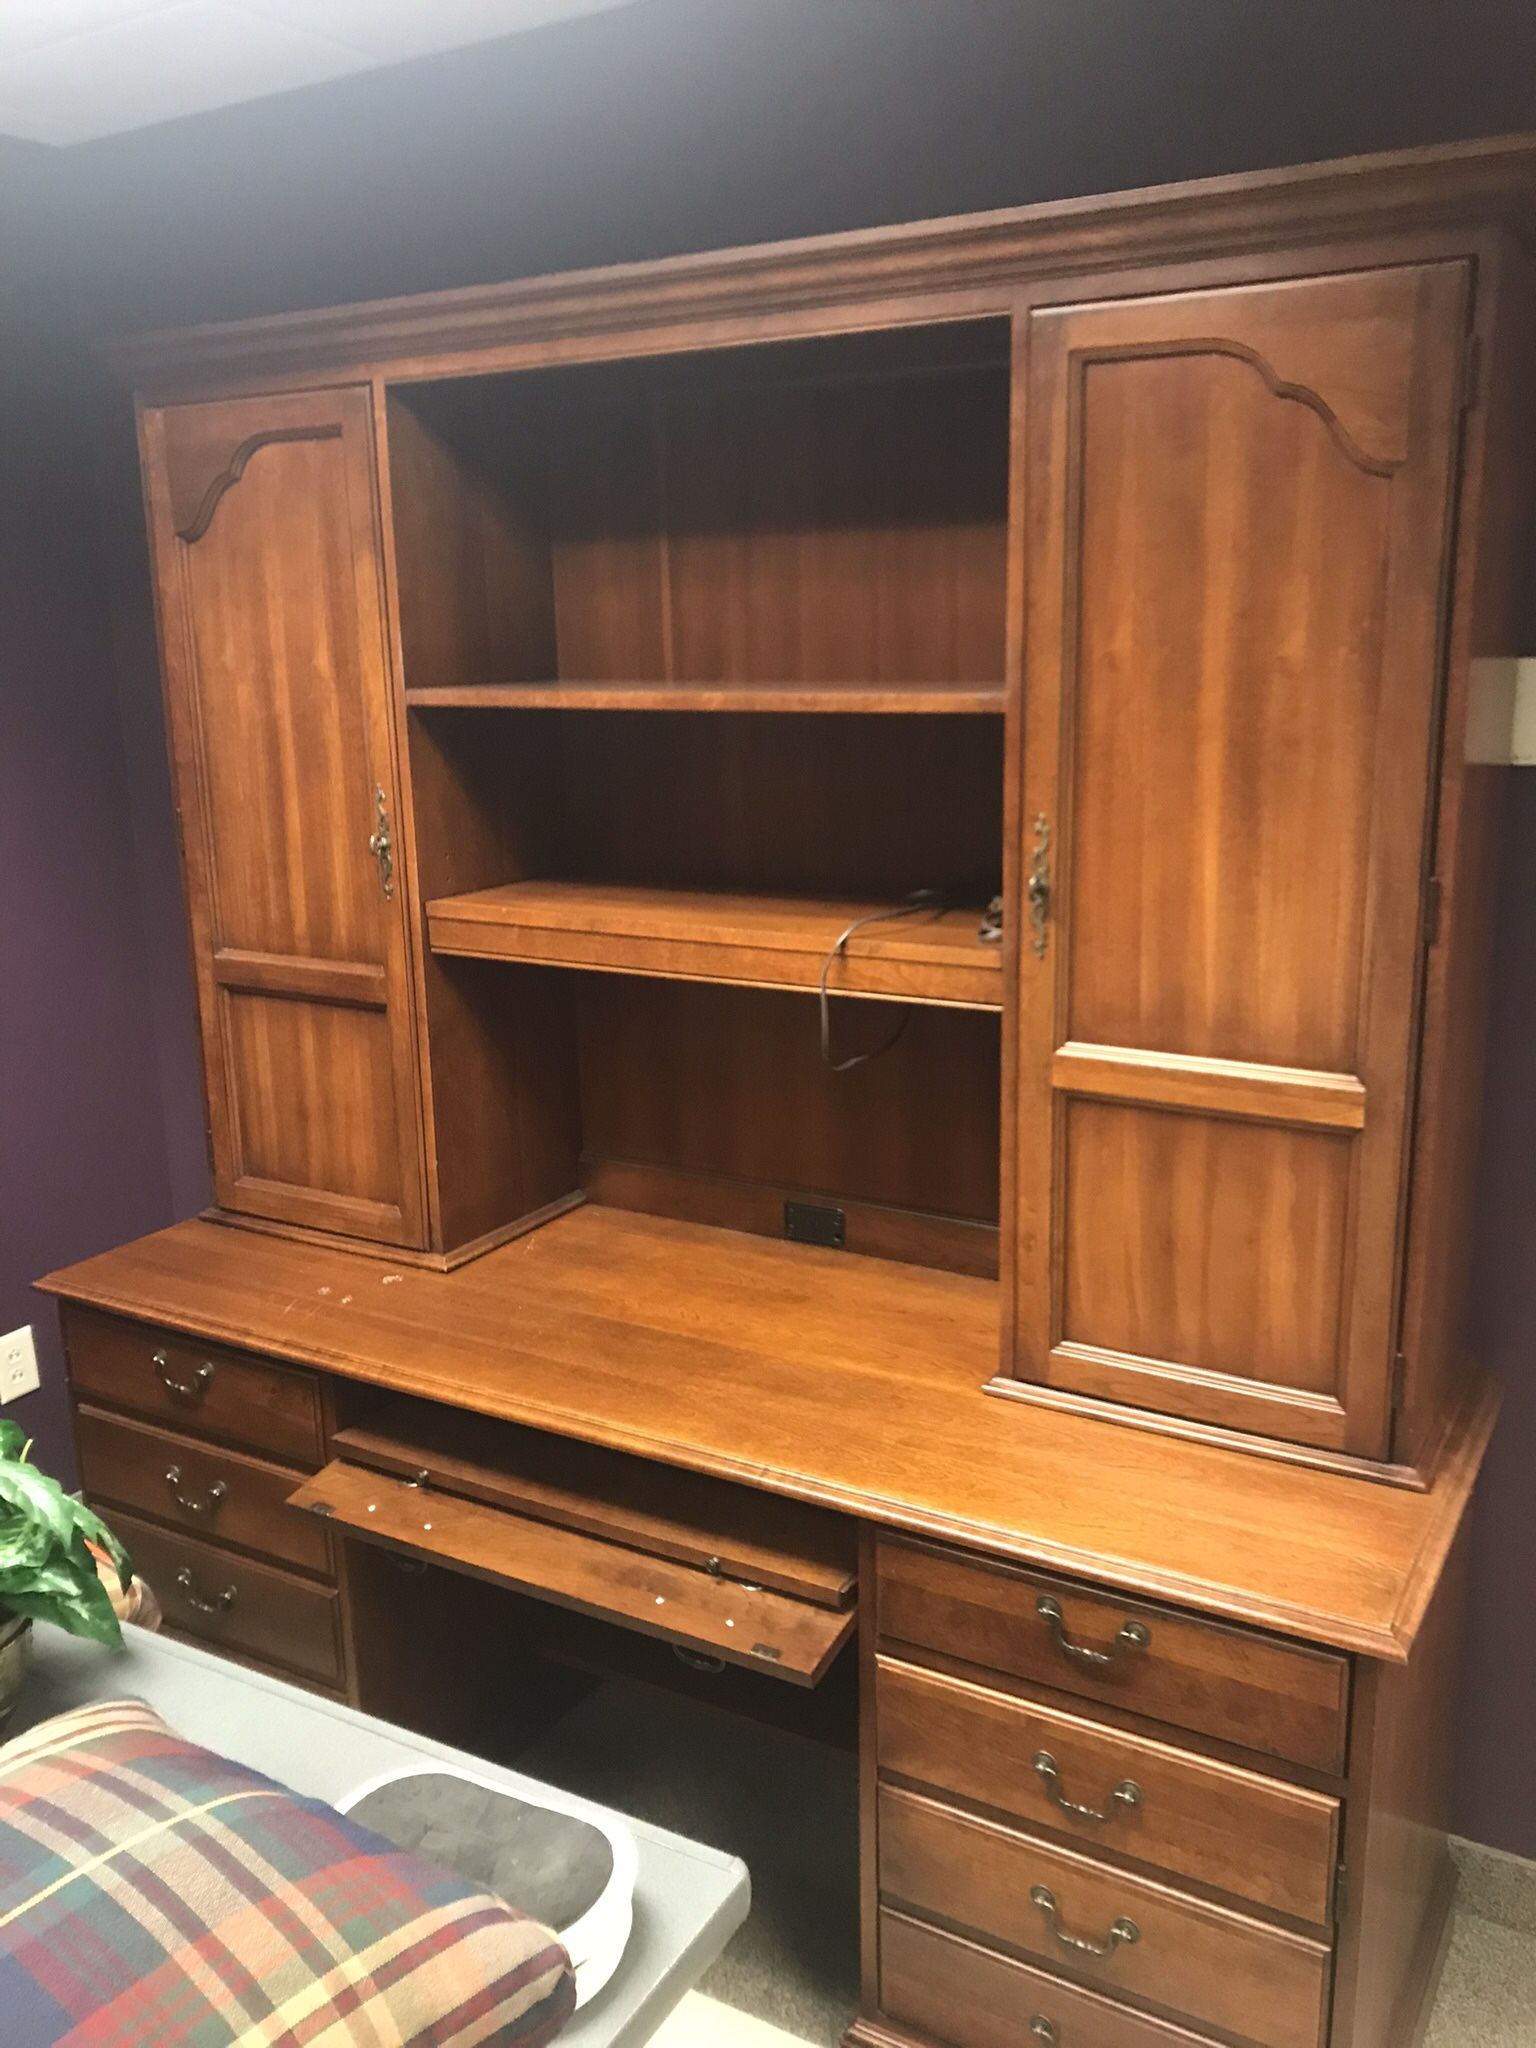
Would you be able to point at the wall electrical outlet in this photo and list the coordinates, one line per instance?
(18, 1365)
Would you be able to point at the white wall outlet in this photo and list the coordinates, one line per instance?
(18, 1365)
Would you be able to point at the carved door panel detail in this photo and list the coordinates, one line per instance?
(1239, 516)
(267, 561)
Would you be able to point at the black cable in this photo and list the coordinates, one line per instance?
(920, 899)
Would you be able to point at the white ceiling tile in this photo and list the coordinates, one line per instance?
(394, 29)
(177, 59)
(24, 24)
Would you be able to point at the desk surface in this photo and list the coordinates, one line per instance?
(847, 1381)
(689, 1899)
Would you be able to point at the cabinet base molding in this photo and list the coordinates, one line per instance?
(396, 1255)
(1476, 1412)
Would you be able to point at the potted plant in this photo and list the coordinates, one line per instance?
(47, 1570)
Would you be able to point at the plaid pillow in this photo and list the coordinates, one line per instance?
(153, 1892)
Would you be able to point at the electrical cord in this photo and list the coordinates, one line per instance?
(920, 899)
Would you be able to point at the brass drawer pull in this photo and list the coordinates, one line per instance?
(1126, 1793)
(1122, 1930)
(1133, 1635)
(1043, 2029)
(189, 1390)
(220, 1604)
(211, 1501)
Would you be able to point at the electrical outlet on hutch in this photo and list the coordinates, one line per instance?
(18, 1365)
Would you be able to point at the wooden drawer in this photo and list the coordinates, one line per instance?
(232, 1603)
(192, 1386)
(1266, 1841)
(211, 1492)
(960, 1992)
(1221, 1969)
(1280, 1698)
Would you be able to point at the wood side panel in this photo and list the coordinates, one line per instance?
(499, 1042)
(471, 543)
(1400, 1876)
(1195, 1961)
(1237, 548)
(265, 541)
(1492, 621)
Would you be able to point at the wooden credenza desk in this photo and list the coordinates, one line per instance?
(842, 905)
(1109, 1679)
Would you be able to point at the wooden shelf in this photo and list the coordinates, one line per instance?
(966, 698)
(933, 956)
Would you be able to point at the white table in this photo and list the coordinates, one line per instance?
(689, 1899)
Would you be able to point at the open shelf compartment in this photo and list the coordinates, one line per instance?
(799, 526)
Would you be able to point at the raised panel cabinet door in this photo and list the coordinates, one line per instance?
(265, 535)
(1239, 515)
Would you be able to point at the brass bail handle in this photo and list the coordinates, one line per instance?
(380, 844)
(1121, 1930)
(1132, 1635)
(1038, 890)
(1125, 1795)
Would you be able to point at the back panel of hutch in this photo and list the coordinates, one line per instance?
(790, 842)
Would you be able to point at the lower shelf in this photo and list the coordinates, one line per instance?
(931, 956)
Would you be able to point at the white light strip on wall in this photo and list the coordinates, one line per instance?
(1501, 715)
(1523, 744)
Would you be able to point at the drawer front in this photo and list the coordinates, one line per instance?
(960, 1992)
(1280, 1698)
(1124, 1935)
(195, 1387)
(204, 1489)
(231, 1603)
(1268, 1842)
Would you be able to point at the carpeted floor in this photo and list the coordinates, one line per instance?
(789, 1809)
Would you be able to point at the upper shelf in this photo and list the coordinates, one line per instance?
(969, 698)
(932, 956)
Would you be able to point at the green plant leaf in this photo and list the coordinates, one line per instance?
(12, 1438)
(84, 1610)
(24, 1545)
(33, 1494)
(95, 1530)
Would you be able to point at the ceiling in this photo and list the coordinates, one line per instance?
(73, 70)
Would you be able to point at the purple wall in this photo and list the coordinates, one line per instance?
(1497, 1800)
(666, 126)
(82, 1126)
